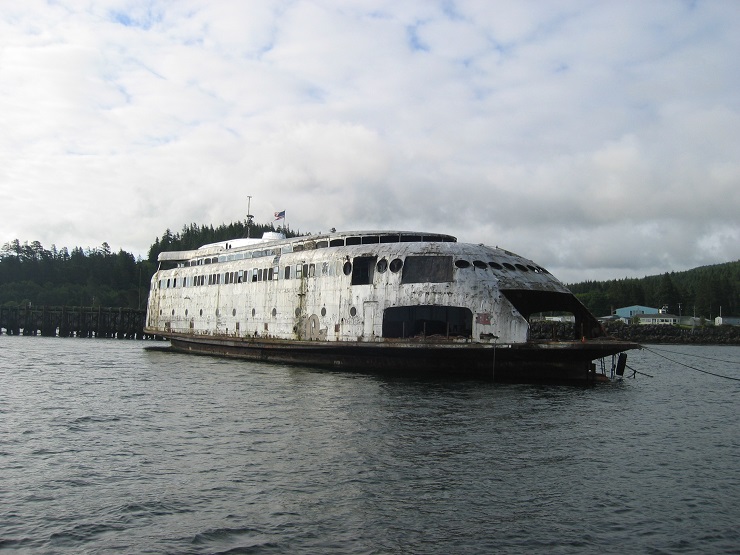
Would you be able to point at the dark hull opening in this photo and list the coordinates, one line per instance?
(529, 302)
(400, 322)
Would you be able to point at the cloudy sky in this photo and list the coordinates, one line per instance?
(599, 138)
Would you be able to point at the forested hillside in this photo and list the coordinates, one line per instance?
(31, 273)
(701, 292)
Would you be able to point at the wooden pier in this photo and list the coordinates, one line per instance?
(78, 321)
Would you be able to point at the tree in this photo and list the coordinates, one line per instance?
(668, 294)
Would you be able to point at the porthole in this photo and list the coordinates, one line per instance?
(509, 266)
(532, 268)
(480, 264)
(173, 311)
(201, 312)
(274, 312)
(323, 311)
(396, 265)
(353, 311)
(462, 263)
(382, 265)
(495, 265)
(254, 312)
(522, 267)
(186, 312)
(160, 312)
(297, 312)
(233, 312)
(347, 268)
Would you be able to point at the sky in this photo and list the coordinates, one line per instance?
(599, 138)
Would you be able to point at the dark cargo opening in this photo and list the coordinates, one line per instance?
(533, 302)
(425, 320)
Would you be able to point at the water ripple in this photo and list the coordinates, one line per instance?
(109, 447)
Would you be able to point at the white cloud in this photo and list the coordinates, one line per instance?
(598, 139)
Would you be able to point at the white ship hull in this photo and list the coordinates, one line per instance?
(392, 301)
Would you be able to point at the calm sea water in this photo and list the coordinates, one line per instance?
(109, 447)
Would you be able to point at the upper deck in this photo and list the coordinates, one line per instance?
(276, 243)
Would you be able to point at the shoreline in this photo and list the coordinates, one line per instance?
(647, 334)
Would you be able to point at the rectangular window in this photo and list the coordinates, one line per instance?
(287, 272)
(298, 271)
(311, 270)
(427, 269)
(362, 269)
(275, 272)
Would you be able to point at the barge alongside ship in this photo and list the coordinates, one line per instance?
(391, 301)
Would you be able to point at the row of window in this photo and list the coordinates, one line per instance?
(322, 244)
(417, 269)
(218, 312)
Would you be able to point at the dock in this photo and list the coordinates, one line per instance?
(74, 321)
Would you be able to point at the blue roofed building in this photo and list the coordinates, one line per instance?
(629, 312)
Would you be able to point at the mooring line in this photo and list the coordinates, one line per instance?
(691, 367)
(638, 372)
(697, 356)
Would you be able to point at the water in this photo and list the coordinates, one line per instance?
(109, 447)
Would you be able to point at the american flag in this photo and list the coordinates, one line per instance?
(280, 215)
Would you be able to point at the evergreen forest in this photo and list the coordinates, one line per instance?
(31, 273)
(701, 292)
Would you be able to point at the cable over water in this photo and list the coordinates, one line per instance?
(656, 352)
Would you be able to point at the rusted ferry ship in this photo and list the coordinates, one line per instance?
(373, 300)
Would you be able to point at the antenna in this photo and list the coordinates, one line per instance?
(249, 216)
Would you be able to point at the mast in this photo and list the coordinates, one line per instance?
(249, 216)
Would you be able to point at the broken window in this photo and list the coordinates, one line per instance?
(427, 269)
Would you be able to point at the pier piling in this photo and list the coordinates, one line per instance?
(67, 321)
